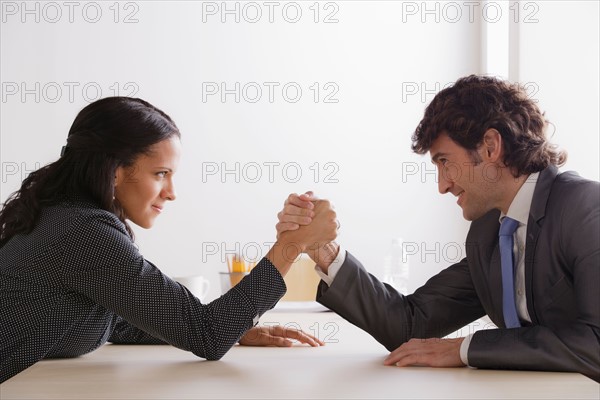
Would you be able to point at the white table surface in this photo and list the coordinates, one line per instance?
(349, 366)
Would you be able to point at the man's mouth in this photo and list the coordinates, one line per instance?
(459, 197)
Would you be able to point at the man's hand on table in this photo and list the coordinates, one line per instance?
(432, 352)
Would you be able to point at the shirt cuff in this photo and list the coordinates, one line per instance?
(333, 269)
(464, 349)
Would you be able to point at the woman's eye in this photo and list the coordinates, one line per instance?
(161, 174)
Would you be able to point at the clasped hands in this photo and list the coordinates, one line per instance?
(305, 215)
(314, 224)
(316, 232)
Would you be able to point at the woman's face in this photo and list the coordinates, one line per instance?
(144, 188)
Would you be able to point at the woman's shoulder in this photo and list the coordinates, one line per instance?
(81, 213)
(91, 239)
(70, 223)
(90, 231)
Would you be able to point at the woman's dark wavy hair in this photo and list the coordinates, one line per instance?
(474, 104)
(106, 134)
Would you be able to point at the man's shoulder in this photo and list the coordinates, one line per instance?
(569, 198)
(572, 178)
(569, 186)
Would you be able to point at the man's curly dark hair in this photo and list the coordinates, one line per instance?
(474, 104)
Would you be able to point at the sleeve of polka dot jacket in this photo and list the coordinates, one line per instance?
(125, 333)
(101, 261)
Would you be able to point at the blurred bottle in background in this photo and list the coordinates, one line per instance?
(395, 267)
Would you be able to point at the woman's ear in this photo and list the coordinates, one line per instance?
(119, 175)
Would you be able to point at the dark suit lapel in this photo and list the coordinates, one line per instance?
(534, 227)
(483, 251)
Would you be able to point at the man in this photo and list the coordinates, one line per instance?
(538, 282)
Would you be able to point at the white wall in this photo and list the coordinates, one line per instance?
(383, 59)
(559, 58)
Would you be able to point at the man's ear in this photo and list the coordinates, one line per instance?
(492, 146)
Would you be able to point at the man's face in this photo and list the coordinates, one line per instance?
(459, 173)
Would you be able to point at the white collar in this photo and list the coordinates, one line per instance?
(521, 204)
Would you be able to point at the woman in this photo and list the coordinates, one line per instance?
(71, 277)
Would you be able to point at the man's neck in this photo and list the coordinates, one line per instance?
(511, 187)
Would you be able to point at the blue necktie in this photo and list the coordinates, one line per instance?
(507, 229)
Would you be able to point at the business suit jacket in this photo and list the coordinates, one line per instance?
(562, 274)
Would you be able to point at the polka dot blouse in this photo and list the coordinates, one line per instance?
(77, 281)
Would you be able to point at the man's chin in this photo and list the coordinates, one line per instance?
(472, 216)
(468, 215)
